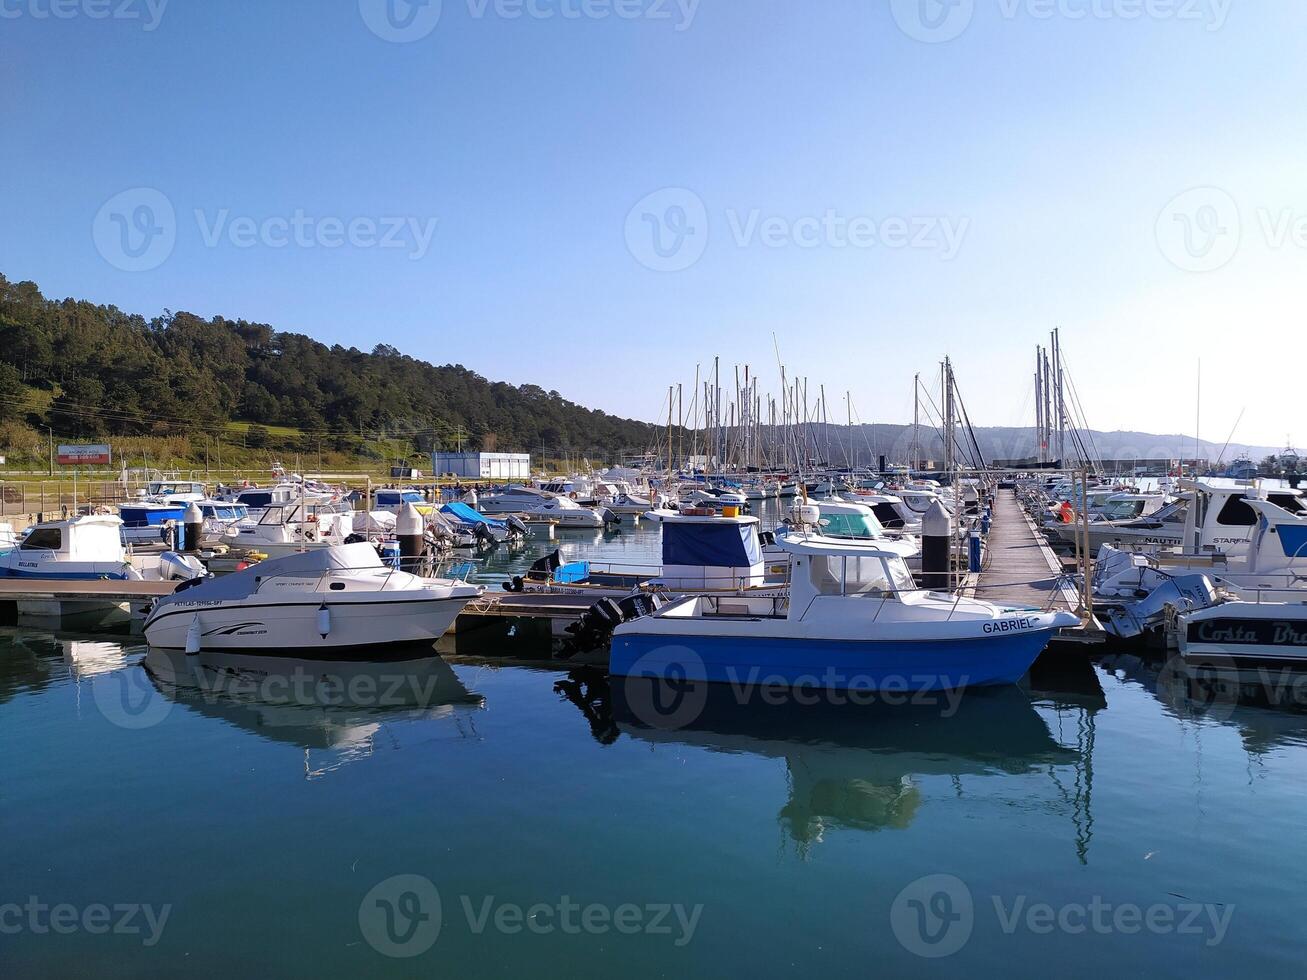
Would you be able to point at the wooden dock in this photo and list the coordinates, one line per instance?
(81, 590)
(528, 624)
(1022, 569)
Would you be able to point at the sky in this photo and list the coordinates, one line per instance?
(595, 196)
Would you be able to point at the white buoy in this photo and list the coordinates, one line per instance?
(324, 620)
(193, 635)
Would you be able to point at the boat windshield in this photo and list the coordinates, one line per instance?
(1122, 510)
(850, 526)
(858, 575)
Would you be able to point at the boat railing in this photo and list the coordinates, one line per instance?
(651, 575)
(426, 568)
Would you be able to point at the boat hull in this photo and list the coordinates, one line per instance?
(1245, 634)
(362, 629)
(898, 665)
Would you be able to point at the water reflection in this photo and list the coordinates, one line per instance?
(28, 662)
(1267, 705)
(848, 765)
(335, 711)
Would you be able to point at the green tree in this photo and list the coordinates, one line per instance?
(13, 393)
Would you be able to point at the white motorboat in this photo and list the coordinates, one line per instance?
(173, 490)
(534, 504)
(568, 513)
(706, 496)
(1141, 590)
(89, 547)
(463, 519)
(334, 602)
(285, 528)
(1213, 516)
(511, 500)
(1244, 634)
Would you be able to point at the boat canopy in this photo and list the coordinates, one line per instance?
(315, 562)
(711, 542)
(464, 514)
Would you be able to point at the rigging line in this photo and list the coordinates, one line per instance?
(967, 421)
(1097, 458)
(1234, 428)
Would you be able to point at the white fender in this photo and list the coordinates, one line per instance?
(193, 635)
(324, 620)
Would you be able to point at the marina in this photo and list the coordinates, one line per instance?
(815, 688)
(592, 489)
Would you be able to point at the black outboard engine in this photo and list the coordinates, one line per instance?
(485, 537)
(516, 526)
(541, 571)
(596, 625)
(609, 518)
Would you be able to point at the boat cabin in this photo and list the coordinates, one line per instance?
(175, 490)
(701, 552)
(1219, 517)
(394, 500)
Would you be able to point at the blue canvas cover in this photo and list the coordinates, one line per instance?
(464, 514)
(725, 545)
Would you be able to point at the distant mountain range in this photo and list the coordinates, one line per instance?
(1006, 442)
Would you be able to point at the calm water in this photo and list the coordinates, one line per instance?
(490, 819)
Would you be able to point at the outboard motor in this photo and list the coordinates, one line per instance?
(516, 526)
(609, 518)
(596, 625)
(180, 568)
(485, 537)
(541, 571)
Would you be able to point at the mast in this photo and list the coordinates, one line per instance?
(680, 422)
(916, 422)
(717, 412)
(1041, 449)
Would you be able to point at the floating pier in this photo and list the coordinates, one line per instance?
(1022, 569)
(57, 599)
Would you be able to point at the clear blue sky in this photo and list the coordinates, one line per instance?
(1048, 144)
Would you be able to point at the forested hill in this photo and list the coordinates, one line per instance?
(106, 373)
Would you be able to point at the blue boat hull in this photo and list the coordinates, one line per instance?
(829, 664)
(68, 576)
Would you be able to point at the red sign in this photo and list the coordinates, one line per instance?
(96, 455)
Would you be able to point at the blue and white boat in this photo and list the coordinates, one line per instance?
(148, 523)
(394, 501)
(853, 620)
(89, 547)
(488, 529)
(700, 554)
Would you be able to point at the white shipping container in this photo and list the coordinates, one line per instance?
(483, 466)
